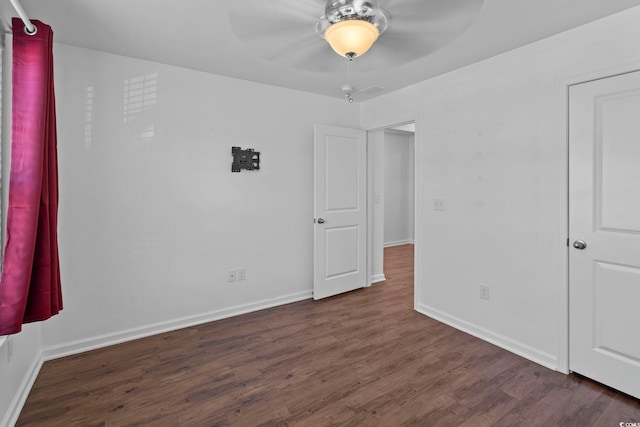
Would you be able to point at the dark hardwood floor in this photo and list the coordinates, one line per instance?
(360, 359)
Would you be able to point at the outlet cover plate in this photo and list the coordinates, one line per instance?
(484, 292)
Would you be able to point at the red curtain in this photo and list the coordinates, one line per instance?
(30, 288)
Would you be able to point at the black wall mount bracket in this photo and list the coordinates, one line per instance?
(245, 159)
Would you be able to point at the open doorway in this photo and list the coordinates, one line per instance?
(392, 155)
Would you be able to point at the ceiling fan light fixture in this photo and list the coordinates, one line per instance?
(351, 37)
(351, 27)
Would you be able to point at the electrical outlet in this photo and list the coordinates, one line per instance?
(484, 292)
(438, 204)
(231, 276)
(242, 274)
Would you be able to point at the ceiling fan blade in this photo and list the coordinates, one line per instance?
(394, 50)
(309, 52)
(409, 46)
(419, 28)
(288, 51)
(438, 15)
(283, 31)
(279, 46)
(257, 19)
(317, 59)
(416, 5)
(289, 9)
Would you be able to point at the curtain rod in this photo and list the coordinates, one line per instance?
(29, 28)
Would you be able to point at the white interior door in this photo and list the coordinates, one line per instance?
(604, 227)
(340, 212)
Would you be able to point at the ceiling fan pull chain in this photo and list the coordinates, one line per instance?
(348, 87)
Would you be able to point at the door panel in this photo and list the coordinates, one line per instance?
(604, 211)
(616, 295)
(341, 174)
(618, 132)
(340, 211)
(343, 247)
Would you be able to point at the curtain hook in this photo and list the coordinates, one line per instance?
(32, 32)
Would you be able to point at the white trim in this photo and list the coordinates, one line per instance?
(369, 281)
(20, 398)
(416, 213)
(3, 339)
(516, 347)
(93, 343)
(378, 278)
(399, 243)
(563, 291)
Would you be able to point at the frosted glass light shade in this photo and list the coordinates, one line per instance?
(351, 36)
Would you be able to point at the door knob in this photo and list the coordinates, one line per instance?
(580, 244)
(320, 221)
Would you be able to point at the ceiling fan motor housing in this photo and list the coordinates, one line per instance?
(339, 10)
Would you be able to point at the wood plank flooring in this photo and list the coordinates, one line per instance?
(360, 359)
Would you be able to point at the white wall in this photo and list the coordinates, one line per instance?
(151, 216)
(376, 203)
(492, 144)
(398, 187)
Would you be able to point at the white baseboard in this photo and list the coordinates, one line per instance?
(545, 359)
(378, 278)
(93, 343)
(13, 413)
(399, 243)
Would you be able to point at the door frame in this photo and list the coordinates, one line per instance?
(416, 204)
(563, 364)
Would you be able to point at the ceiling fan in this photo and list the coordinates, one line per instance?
(291, 32)
(313, 35)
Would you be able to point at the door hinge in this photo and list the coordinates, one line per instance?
(567, 242)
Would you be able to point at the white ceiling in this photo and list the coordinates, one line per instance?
(197, 34)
